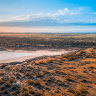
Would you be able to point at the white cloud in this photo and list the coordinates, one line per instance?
(61, 17)
(66, 9)
(17, 18)
(60, 12)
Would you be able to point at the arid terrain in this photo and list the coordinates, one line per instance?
(47, 47)
(72, 74)
(46, 41)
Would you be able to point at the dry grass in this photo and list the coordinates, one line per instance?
(72, 74)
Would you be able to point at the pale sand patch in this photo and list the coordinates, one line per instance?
(21, 55)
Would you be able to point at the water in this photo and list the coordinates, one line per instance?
(21, 55)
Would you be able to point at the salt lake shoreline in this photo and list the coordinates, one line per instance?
(33, 57)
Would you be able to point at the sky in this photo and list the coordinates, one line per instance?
(48, 16)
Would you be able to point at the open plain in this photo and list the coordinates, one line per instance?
(72, 74)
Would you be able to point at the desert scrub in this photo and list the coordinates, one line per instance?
(1, 72)
(81, 91)
(82, 53)
(50, 60)
(18, 76)
(2, 80)
(69, 78)
(36, 83)
(40, 62)
(84, 80)
(11, 80)
(71, 57)
(60, 60)
(27, 91)
(44, 61)
(92, 67)
(30, 82)
(32, 91)
(57, 70)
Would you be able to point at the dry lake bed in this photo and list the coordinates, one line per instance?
(22, 55)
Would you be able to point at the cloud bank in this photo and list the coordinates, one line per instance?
(63, 17)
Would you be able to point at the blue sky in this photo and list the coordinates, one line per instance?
(45, 14)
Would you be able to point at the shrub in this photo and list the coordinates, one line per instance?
(11, 80)
(82, 52)
(81, 91)
(30, 82)
(40, 62)
(2, 81)
(1, 72)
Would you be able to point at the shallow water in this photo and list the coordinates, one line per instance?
(20, 55)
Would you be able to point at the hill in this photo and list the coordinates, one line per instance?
(72, 74)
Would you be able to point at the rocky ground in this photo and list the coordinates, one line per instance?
(72, 74)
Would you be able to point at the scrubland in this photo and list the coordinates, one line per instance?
(71, 74)
(46, 41)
